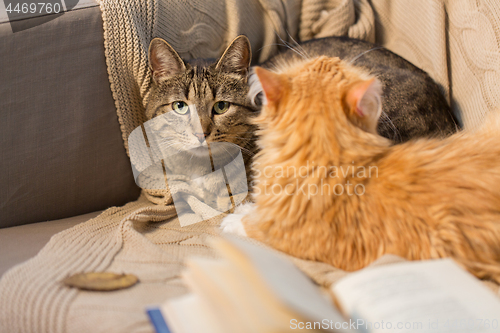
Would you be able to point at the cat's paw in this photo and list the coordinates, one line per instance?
(232, 224)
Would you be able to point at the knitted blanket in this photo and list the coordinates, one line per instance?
(456, 42)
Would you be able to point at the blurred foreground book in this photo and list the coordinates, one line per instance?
(252, 289)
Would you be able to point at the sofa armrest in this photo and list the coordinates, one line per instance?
(61, 149)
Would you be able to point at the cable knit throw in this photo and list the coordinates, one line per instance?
(456, 41)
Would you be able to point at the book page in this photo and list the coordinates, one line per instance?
(293, 288)
(236, 299)
(248, 289)
(423, 296)
(188, 314)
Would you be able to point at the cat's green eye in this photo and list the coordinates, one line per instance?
(180, 107)
(221, 107)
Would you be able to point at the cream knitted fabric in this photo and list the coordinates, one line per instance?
(456, 42)
(130, 239)
(144, 237)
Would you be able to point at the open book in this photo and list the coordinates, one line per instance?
(253, 289)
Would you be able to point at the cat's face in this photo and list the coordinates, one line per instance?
(321, 104)
(203, 102)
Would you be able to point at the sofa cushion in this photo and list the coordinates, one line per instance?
(23, 242)
(61, 148)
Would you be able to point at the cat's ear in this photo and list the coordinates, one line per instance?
(272, 85)
(237, 57)
(365, 102)
(163, 60)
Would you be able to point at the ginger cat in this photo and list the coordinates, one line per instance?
(329, 188)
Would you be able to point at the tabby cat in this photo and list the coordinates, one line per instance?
(330, 189)
(213, 92)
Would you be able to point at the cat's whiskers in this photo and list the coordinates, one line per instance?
(164, 142)
(228, 152)
(235, 137)
(284, 43)
(243, 149)
(363, 53)
(163, 146)
(300, 51)
(299, 47)
(297, 51)
(388, 120)
(247, 151)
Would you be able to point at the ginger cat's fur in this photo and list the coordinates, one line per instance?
(430, 198)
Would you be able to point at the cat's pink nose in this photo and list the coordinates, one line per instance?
(200, 136)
